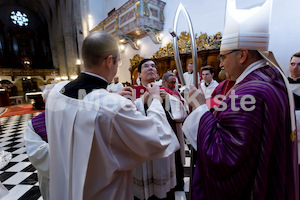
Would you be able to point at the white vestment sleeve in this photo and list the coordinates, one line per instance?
(191, 124)
(179, 114)
(38, 155)
(147, 137)
(37, 150)
(178, 110)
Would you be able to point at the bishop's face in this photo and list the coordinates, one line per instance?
(230, 62)
(294, 67)
(148, 72)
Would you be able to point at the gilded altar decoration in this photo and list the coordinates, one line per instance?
(146, 9)
(137, 10)
(161, 15)
(203, 42)
(135, 61)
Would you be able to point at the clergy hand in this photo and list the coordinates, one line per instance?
(163, 93)
(145, 97)
(125, 92)
(153, 90)
(196, 97)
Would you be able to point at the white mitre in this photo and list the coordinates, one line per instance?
(246, 28)
(249, 29)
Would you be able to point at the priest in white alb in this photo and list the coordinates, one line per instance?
(96, 137)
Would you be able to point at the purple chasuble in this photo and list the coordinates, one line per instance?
(39, 126)
(248, 154)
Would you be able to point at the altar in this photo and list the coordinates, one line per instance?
(37, 100)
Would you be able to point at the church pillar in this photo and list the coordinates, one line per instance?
(70, 49)
(79, 40)
(61, 58)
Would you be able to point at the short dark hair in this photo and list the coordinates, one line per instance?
(167, 75)
(143, 61)
(97, 46)
(208, 67)
(295, 55)
(255, 54)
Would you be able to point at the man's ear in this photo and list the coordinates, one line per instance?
(139, 74)
(108, 61)
(243, 55)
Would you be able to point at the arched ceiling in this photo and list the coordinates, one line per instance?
(64, 19)
(41, 8)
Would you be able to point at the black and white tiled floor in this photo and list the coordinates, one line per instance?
(20, 177)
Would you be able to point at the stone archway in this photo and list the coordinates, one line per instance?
(18, 84)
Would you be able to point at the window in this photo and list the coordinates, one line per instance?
(19, 18)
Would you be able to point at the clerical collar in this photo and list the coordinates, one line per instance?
(96, 75)
(294, 80)
(147, 84)
(206, 84)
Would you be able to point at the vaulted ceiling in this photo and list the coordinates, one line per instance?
(67, 26)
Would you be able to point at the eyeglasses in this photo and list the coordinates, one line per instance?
(146, 66)
(223, 56)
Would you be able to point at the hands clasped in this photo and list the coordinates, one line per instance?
(152, 91)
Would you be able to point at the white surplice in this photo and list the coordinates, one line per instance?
(38, 154)
(96, 142)
(189, 78)
(157, 177)
(115, 87)
(208, 90)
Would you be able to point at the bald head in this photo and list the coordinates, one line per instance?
(96, 47)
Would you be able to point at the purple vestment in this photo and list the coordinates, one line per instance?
(248, 154)
(39, 125)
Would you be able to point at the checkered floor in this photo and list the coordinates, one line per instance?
(20, 177)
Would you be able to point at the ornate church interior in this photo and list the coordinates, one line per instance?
(40, 44)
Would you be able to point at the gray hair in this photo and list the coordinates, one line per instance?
(167, 75)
